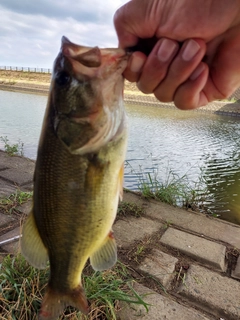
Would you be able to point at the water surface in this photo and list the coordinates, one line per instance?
(161, 141)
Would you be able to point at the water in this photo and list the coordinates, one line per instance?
(162, 142)
(21, 118)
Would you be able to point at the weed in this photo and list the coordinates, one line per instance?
(158, 282)
(172, 189)
(14, 149)
(22, 288)
(167, 224)
(175, 190)
(140, 250)
(10, 204)
(129, 208)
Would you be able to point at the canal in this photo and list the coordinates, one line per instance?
(199, 149)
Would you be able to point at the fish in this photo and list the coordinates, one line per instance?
(78, 178)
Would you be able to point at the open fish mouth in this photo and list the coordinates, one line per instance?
(95, 76)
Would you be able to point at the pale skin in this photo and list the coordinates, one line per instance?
(195, 58)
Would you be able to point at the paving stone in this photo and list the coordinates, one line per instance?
(5, 220)
(134, 229)
(14, 246)
(160, 265)
(211, 291)
(17, 162)
(3, 166)
(160, 308)
(198, 248)
(236, 272)
(195, 222)
(6, 189)
(27, 187)
(16, 176)
(26, 207)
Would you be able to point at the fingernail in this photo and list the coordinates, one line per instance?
(166, 50)
(136, 63)
(190, 50)
(196, 73)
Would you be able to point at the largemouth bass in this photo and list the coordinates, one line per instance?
(78, 177)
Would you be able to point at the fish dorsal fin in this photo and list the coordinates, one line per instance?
(106, 256)
(32, 247)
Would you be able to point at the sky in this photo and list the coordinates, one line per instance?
(31, 31)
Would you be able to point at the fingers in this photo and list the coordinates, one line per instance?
(134, 67)
(167, 70)
(181, 68)
(221, 74)
(224, 71)
(149, 71)
(156, 66)
(190, 94)
(179, 75)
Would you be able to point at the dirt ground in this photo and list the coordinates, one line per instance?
(9, 77)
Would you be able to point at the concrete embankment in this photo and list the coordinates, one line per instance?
(218, 107)
(188, 266)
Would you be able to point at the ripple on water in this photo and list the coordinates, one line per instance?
(165, 143)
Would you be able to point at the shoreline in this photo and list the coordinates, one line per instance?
(179, 257)
(131, 96)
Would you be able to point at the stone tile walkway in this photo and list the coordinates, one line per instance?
(191, 259)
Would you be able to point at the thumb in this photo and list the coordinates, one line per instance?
(131, 23)
(126, 36)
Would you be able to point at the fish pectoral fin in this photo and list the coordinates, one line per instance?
(54, 302)
(106, 256)
(32, 247)
(121, 180)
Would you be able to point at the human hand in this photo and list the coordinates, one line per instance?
(179, 74)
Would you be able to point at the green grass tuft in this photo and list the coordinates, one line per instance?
(129, 208)
(175, 190)
(12, 149)
(22, 288)
(11, 203)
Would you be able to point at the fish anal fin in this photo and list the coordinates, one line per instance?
(55, 302)
(106, 256)
(32, 247)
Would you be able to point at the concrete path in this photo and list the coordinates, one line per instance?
(134, 97)
(187, 264)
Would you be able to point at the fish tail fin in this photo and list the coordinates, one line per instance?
(54, 303)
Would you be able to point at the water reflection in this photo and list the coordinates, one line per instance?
(189, 143)
(223, 184)
(185, 143)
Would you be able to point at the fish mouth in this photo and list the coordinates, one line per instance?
(88, 122)
(91, 57)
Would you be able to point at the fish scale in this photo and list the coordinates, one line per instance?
(78, 176)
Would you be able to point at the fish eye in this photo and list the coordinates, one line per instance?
(62, 78)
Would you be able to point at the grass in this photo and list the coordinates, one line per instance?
(11, 203)
(129, 208)
(22, 289)
(175, 190)
(12, 149)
